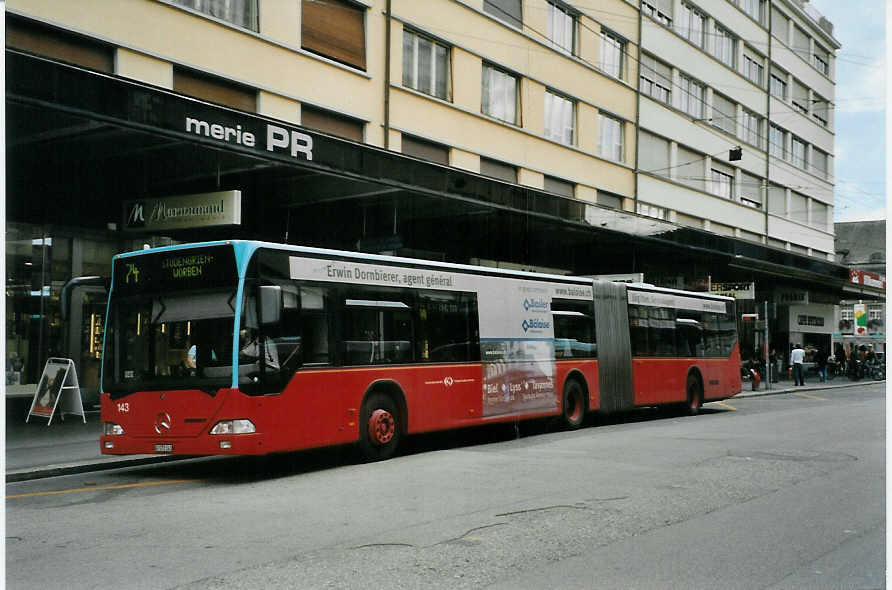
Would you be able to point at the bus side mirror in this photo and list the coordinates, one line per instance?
(270, 304)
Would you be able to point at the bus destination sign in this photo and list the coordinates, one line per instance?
(194, 268)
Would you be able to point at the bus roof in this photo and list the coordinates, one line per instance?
(250, 246)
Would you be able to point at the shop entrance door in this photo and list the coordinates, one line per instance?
(84, 302)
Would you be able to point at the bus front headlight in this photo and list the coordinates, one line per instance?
(112, 429)
(242, 426)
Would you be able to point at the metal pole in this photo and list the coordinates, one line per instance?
(767, 352)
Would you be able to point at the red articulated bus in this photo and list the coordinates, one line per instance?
(245, 347)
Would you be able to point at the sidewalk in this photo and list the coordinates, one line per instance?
(35, 450)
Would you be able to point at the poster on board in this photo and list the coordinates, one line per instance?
(57, 388)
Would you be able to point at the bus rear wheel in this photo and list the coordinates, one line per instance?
(379, 428)
(695, 396)
(574, 405)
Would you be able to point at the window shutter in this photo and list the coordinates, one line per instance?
(653, 154)
(558, 186)
(214, 89)
(496, 169)
(426, 150)
(335, 29)
(59, 45)
(332, 123)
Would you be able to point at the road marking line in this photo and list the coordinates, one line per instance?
(724, 405)
(96, 488)
(823, 399)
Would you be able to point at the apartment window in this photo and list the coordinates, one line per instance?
(819, 162)
(560, 118)
(821, 59)
(611, 137)
(659, 10)
(691, 24)
(724, 45)
(780, 25)
(425, 150)
(653, 154)
(689, 169)
(333, 123)
(777, 200)
(214, 89)
(693, 95)
(819, 110)
(656, 79)
(798, 207)
(561, 28)
(721, 183)
(750, 190)
(499, 94)
(801, 43)
(753, 69)
(612, 54)
(500, 170)
(798, 152)
(779, 85)
(819, 214)
(509, 11)
(753, 8)
(238, 12)
(334, 29)
(652, 211)
(61, 45)
(751, 128)
(776, 145)
(724, 114)
(425, 65)
(800, 97)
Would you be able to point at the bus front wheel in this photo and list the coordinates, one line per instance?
(574, 405)
(379, 427)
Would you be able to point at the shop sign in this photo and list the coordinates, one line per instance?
(183, 212)
(735, 290)
(868, 279)
(860, 319)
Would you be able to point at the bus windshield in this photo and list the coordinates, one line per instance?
(171, 321)
(170, 341)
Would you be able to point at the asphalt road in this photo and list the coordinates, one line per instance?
(779, 492)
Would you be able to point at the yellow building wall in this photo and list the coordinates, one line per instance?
(144, 68)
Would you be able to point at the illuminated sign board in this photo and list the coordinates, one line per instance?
(176, 270)
(183, 212)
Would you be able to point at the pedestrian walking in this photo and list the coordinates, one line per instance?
(821, 361)
(797, 356)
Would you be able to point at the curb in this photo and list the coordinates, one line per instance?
(88, 466)
(815, 387)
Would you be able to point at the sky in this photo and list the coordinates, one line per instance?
(860, 165)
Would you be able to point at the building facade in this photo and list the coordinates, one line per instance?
(548, 135)
(860, 318)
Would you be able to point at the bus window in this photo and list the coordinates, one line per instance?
(315, 322)
(446, 327)
(689, 333)
(661, 331)
(574, 329)
(638, 324)
(377, 327)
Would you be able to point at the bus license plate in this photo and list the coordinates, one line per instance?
(164, 448)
